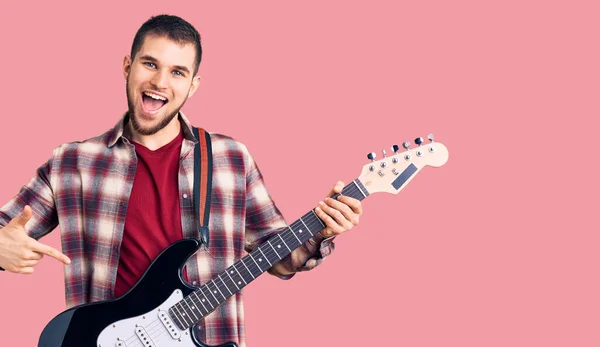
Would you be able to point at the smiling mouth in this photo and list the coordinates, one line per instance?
(153, 102)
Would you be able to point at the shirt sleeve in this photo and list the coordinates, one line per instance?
(263, 220)
(39, 196)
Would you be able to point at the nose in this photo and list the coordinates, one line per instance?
(160, 79)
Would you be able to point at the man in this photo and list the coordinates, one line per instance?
(123, 196)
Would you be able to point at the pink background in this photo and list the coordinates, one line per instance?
(499, 247)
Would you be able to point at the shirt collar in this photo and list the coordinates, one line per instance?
(118, 131)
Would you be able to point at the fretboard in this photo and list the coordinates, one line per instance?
(209, 296)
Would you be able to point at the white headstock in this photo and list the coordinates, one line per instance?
(392, 173)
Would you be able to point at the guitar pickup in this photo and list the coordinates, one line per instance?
(166, 321)
(144, 337)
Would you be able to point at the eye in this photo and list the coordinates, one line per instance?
(150, 65)
(178, 73)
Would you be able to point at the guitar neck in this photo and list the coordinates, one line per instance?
(212, 294)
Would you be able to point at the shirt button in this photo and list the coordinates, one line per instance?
(185, 196)
(194, 283)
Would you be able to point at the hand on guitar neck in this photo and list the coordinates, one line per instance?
(340, 213)
(20, 253)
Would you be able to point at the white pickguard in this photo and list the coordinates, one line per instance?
(131, 332)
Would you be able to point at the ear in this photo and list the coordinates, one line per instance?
(126, 66)
(194, 86)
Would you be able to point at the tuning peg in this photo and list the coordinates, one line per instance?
(406, 146)
(395, 148)
(432, 146)
(419, 140)
(372, 156)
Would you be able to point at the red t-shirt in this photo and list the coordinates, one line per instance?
(153, 219)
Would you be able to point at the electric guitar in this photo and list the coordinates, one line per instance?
(161, 309)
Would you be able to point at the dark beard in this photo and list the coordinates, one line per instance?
(137, 127)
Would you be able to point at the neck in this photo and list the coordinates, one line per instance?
(158, 139)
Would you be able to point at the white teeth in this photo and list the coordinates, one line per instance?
(154, 96)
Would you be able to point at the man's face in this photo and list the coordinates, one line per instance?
(159, 81)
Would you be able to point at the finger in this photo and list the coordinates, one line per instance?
(23, 218)
(346, 210)
(329, 222)
(26, 270)
(354, 204)
(29, 263)
(54, 253)
(34, 256)
(338, 217)
(337, 188)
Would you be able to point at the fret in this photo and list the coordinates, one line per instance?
(307, 228)
(250, 272)
(284, 242)
(254, 256)
(360, 190)
(225, 284)
(269, 242)
(302, 231)
(236, 270)
(317, 217)
(251, 265)
(264, 256)
(214, 283)
(198, 299)
(270, 253)
(175, 315)
(205, 298)
(291, 238)
(181, 314)
(232, 271)
(213, 292)
(296, 236)
(195, 309)
(313, 222)
(232, 280)
(190, 310)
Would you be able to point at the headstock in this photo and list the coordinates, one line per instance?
(391, 174)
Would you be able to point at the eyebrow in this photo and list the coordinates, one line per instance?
(154, 60)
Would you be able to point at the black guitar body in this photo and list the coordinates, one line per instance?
(80, 326)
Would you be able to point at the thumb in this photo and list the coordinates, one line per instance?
(23, 218)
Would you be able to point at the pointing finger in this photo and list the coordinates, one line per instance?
(54, 253)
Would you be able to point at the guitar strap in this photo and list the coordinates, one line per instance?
(203, 165)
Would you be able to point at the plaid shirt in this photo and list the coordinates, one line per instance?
(85, 187)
